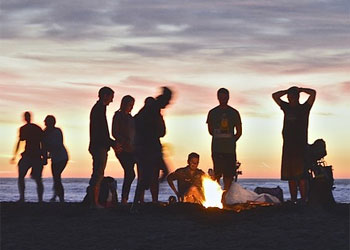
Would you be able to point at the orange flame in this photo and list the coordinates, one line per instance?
(212, 193)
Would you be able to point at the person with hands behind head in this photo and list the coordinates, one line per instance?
(189, 181)
(295, 138)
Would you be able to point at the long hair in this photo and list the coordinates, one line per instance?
(125, 101)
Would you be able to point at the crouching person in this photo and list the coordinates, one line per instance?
(189, 181)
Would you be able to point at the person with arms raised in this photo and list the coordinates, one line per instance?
(295, 138)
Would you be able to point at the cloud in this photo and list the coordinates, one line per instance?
(345, 87)
(189, 98)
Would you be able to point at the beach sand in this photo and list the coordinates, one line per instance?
(177, 226)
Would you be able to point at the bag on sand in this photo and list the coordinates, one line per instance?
(238, 194)
(320, 175)
(108, 193)
(321, 186)
(277, 192)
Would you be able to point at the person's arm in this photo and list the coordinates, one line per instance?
(161, 126)
(13, 159)
(115, 126)
(238, 131)
(311, 93)
(277, 96)
(44, 153)
(210, 129)
(210, 126)
(171, 177)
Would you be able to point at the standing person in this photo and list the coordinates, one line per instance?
(295, 138)
(189, 181)
(149, 127)
(100, 142)
(53, 145)
(225, 127)
(123, 130)
(32, 157)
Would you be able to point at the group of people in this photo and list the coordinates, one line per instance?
(136, 141)
(40, 145)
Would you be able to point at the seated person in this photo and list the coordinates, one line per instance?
(189, 181)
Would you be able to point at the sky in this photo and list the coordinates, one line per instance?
(55, 55)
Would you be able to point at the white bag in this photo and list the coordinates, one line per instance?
(238, 194)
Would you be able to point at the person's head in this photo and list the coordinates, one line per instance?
(127, 103)
(27, 116)
(106, 95)
(193, 160)
(293, 95)
(149, 100)
(223, 96)
(165, 97)
(50, 121)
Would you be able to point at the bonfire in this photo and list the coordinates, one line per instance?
(212, 193)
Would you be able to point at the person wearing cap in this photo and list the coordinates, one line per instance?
(295, 138)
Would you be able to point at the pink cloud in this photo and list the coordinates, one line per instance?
(188, 98)
(345, 87)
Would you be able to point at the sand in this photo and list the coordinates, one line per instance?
(177, 226)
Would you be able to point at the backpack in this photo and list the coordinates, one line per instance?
(320, 175)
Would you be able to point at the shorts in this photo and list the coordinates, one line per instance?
(224, 164)
(27, 162)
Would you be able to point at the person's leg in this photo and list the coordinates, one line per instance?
(37, 169)
(99, 161)
(39, 188)
(229, 169)
(154, 188)
(53, 199)
(217, 166)
(57, 169)
(165, 171)
(303, 189)
(127, 162)
(23, 168)
(143, 179)
(293, 190)
(227, 182)
(139, 193)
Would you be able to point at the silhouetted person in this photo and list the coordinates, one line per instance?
(150, 127)
(225, 127)
(100, 142)
(123, 130)
(32, 157)
(189, 181)
(53, 145)
(295, 138)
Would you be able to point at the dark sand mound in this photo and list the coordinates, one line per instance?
(179, 226)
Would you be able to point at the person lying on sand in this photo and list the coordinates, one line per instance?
(188, 181)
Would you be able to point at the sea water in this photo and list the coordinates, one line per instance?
(75, 189)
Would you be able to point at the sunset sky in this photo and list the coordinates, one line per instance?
(55, 55)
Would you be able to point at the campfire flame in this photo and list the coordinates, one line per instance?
(212, 193)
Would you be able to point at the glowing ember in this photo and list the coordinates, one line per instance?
(212, 193)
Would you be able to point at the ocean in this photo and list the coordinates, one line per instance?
(75, 189)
